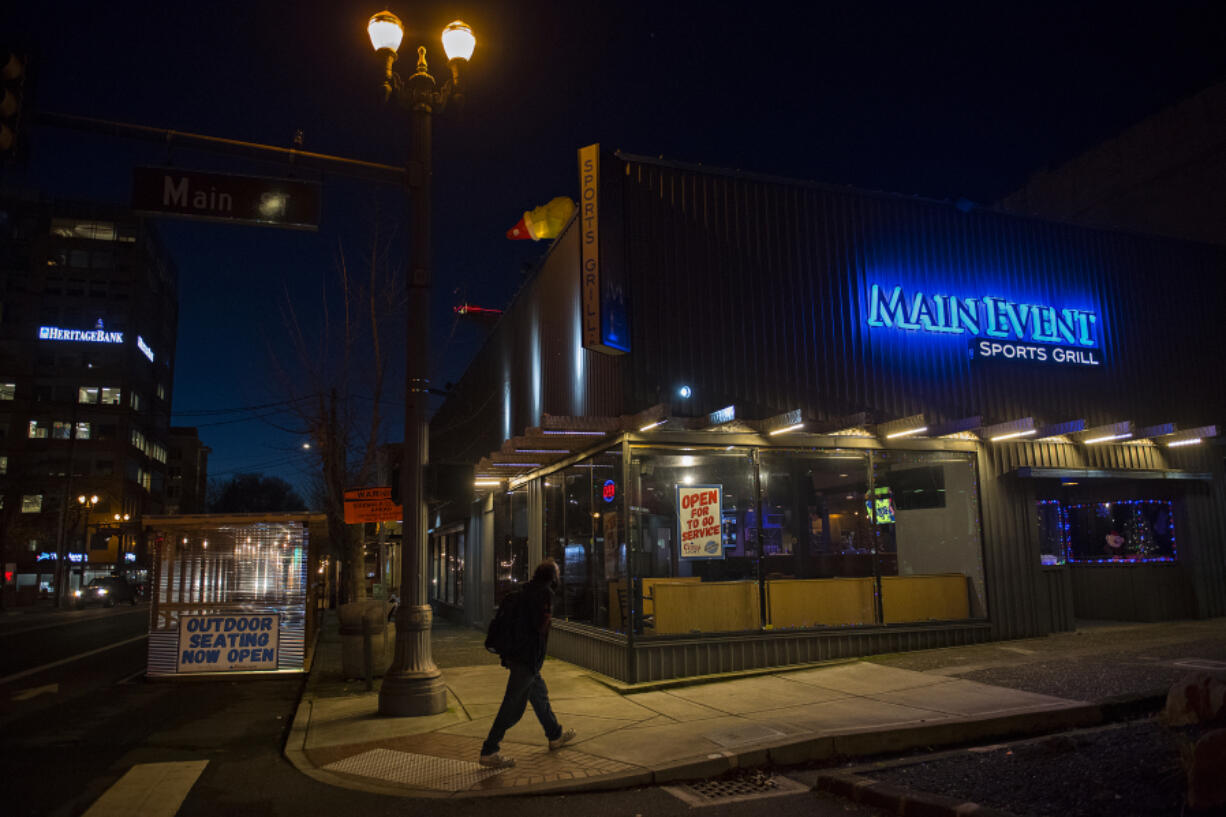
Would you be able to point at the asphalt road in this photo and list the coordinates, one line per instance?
(64, 748)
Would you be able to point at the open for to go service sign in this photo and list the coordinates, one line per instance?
(700, 511)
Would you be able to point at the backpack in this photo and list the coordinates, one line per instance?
(500, 638)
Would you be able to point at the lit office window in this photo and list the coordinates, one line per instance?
(8, 391)
(135, 401)
(161, 392)
(32, 503)
(110, 395)
(38, 430)
(83, 431)
(87, 394)
(75, 228)
(61, 430)
(4, 464)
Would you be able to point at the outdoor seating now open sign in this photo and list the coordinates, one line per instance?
(228, 642)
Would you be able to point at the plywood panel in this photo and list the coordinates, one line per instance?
(819, 602)
(939, 597)
(706, 607)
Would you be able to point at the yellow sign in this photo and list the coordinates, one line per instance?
(371, 505)
(589, 242)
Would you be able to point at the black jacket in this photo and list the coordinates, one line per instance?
(533, 615)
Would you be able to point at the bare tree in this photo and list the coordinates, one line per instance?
(338, 375)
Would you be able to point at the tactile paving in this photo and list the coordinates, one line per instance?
(410, 769)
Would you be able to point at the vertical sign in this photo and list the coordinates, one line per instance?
(700, 515)
(589, 243)
(602, 290)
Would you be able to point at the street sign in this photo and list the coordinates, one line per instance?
(169, 191)
(371, 505)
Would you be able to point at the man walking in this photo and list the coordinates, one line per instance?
(533, 614)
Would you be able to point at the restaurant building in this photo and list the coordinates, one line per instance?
(762, 422)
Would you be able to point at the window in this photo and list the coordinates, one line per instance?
(1120, 531)
(38, 430)
(110, 395)
(32, 503)
(32, 545)
(61, 430)
(135, 401)
(161, 392)
(83, 430)
(8, 391)
(87, 394)
(4, 464)
(92, 230)
(139, 441)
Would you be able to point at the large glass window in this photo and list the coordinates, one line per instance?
(511, 566)
(584, 531)
(819, 540)
(696, 542)
(928, 551)
(1124, 530)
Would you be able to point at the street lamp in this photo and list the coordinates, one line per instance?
(121, 555)
(413, 685)
(88, 503)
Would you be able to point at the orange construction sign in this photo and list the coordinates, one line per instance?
(371, 505)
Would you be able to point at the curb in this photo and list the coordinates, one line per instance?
(902, 802)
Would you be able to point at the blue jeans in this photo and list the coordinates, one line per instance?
(523, 686)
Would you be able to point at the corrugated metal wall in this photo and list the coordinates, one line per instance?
(754, 292)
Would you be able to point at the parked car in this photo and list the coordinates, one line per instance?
(107, 591)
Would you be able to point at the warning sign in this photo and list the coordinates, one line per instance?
(371, 505)
(699, 511)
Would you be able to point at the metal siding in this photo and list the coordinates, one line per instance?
(766, 293)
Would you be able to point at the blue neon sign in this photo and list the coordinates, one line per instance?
(983, 317)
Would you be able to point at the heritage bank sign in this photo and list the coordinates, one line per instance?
(168, 191)
(997, 327)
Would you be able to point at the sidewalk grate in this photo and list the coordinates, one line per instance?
(735, 787)
(419, 771)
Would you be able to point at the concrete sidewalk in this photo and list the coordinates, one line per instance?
(628, 737)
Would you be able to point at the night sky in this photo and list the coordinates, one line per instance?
(935, 99)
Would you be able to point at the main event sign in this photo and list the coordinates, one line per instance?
(228, 643)
(1008, 329)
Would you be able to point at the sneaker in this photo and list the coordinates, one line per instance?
(561, 740)
(496, 761)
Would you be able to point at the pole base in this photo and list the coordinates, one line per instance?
(412, 695)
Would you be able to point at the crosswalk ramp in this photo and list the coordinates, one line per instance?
(149, 790)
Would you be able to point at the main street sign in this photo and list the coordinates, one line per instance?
(168, 191)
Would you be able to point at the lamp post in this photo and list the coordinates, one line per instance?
(88, 503)
(121, 521)
(413, 685)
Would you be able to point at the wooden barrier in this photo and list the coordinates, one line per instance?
(935, 597)
(705, 607)
(618, 587)
(820, 602)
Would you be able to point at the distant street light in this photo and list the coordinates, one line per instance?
(88, 503)
(413, 685)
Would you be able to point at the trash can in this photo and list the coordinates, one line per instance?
(360, 622)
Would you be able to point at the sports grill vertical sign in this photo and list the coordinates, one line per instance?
(589, 243)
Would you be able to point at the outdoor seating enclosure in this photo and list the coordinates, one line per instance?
(232, 593)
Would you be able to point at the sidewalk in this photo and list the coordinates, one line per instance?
(627, 737)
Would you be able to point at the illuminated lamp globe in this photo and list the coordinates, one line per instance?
(458, 41)
(386, 31)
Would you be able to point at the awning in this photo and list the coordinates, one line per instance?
(1097, 473)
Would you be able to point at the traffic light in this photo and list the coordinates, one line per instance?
(12, 94)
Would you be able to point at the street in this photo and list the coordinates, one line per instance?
(78, 717)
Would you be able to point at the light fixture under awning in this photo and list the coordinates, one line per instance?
(1100, 473)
